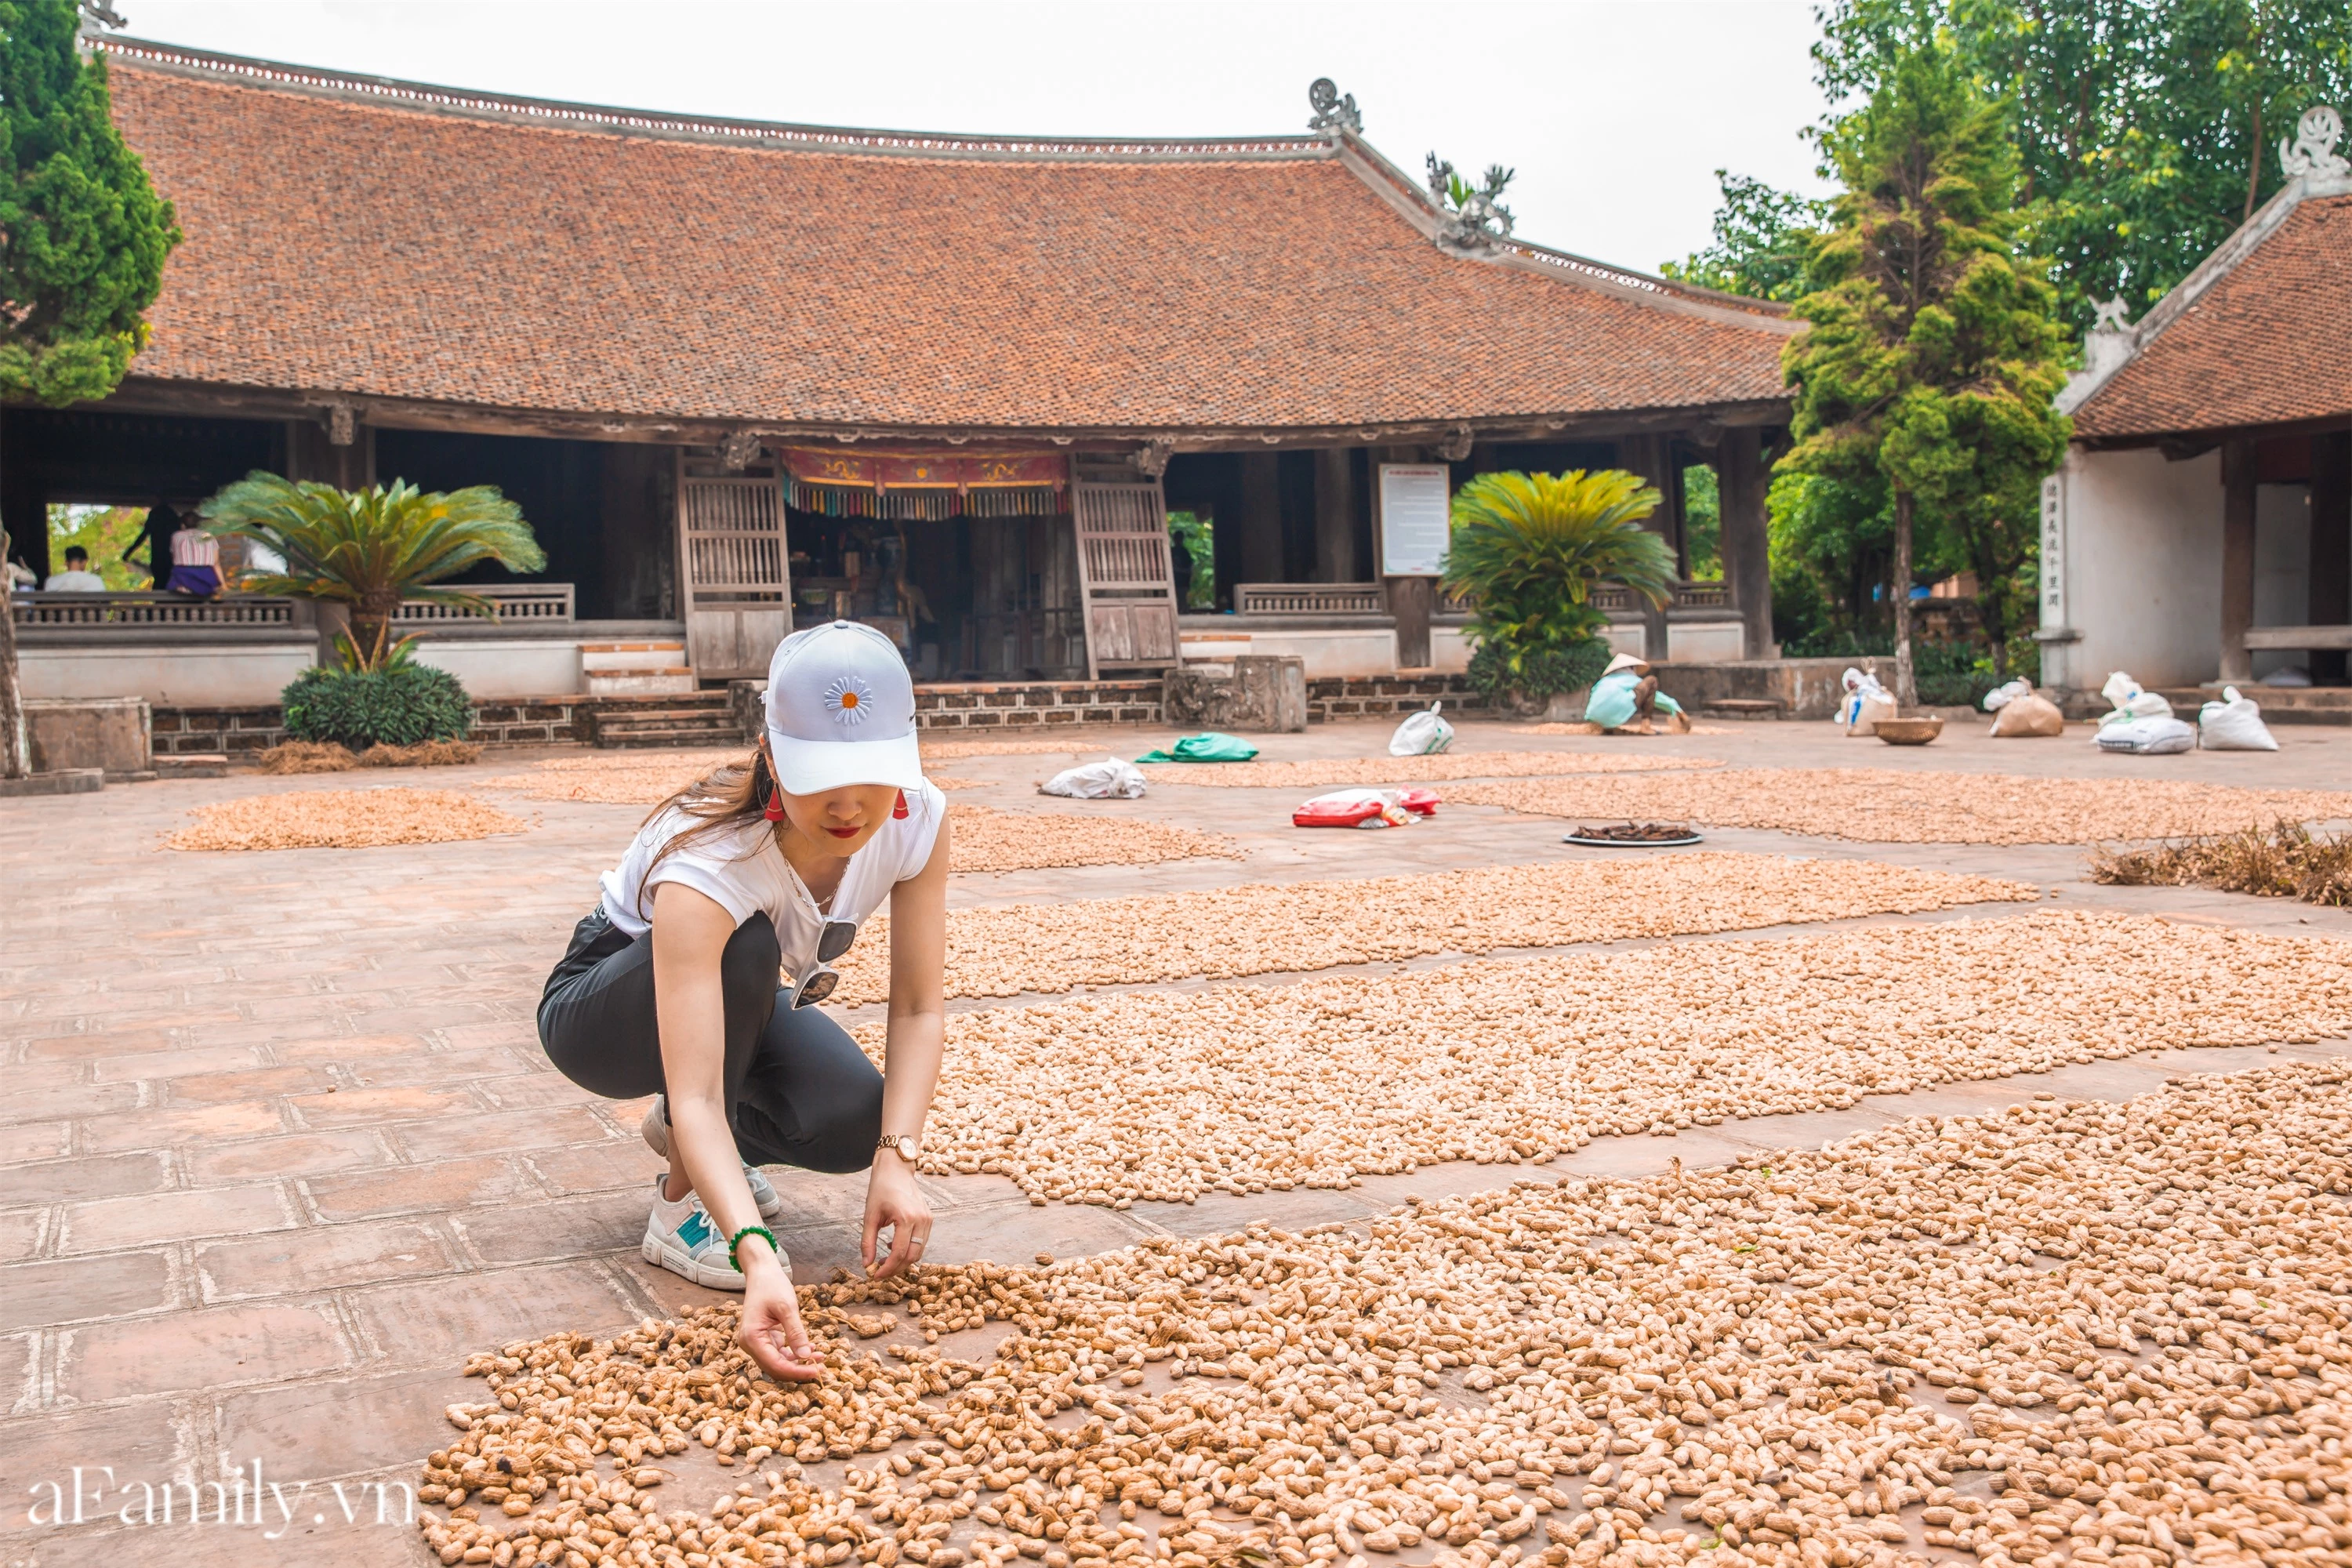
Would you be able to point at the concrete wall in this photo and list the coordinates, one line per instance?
(2281, 568)
(494, 669)
(1704, 642)
(1327, 653)
(1449, 649)
(2142, 570)
(209, 674)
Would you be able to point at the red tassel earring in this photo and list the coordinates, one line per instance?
(774, 810)
(899, 812)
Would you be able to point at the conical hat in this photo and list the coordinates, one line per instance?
(1627, 661)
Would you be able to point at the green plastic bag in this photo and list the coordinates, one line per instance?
(1209, 748)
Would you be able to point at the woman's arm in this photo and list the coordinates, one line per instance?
(689, 933)
(919, 945)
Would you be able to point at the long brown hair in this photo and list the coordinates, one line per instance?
(725, 800)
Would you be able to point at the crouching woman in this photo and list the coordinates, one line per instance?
(671, 987)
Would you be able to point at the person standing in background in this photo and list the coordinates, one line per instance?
(156, 535)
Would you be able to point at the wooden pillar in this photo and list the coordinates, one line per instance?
(1647, 455)
(2331, 546)
(1741, 480)
(1261, 518)
(1335, 517)
(2237, 558)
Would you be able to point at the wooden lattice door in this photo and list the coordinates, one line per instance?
(1127, 580)
(737, 584)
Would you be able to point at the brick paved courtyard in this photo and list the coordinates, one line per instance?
(281, 1149)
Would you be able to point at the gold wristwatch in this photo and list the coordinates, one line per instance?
(908, 1149)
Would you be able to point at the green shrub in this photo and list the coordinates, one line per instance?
(399, 704)
(1541, 672)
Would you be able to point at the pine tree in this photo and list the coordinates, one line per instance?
(1933, 353)
(83, 234)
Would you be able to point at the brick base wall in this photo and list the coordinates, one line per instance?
(1384, 696)
(237, 731)
(1035, 705)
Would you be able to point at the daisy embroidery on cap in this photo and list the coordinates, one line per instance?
(847, 700)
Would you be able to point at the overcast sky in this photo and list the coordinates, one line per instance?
(1615, 114)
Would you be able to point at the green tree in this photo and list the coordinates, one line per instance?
(1763, 238)
(372, 549)
(83, 234)
(1932, 353)
(106, 531)
(1528, 550)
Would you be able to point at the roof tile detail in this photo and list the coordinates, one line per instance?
(364, 248)
(2268, 343)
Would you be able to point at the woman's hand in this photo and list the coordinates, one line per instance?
(772, 1330)
(894, 1203)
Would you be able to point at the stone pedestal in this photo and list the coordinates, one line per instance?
(1253, 693)
(110, 733)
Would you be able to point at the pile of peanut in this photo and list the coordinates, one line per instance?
(982, 838)
(1264, 929)
(1890, 805)
(1326, 772)
(2063, 1332)
(343, 819)
(649, 778)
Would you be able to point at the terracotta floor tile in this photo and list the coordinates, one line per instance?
(520, 1092)
(472, 1132)
(435, 1069)
(439, 1323)
(194, 1124)
(440, 1187)
(111, 1224)
(93, 1176)
(216, 1347)
(597, 1167)
(565, 1229)
(340, 1426)
(35, 1295)
(34, 1141)
(377, 1107)
(148, 1440)
(341, 1049)
(20, 1232)
(319, 1257)
(151, 1065)
(253, 1083)
(69, 1099)
(287, 1154)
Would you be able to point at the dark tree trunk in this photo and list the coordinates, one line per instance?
(14, 764)
(1907, 686)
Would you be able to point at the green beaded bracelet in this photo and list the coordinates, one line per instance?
(736, 1240)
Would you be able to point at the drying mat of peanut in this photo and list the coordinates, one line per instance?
(982, 838)
(2083, 1333)
(1318, 771)
(1262, 929)
(1585, 727)
(1074, 745)
(649, 778)
(1132, 1097)
(343, 819)
(1894, 806)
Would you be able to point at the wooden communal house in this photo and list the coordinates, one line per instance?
(2200, 530)
(738, 374)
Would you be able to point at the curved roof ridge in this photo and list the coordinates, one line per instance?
(565, 114)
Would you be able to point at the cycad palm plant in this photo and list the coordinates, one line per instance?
(373, 548)
(1528, 550)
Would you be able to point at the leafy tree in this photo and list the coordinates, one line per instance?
(83, 234)
(1527, 551)
(106, 531)
(1763, 238)
(371, 549)
(1932, 353)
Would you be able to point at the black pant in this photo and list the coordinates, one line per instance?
(798, 1091)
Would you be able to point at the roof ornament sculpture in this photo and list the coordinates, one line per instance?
(2312, 155)
(740, 450)
(2110, 317)
(1473, 220)
(1151, 459)
(1335, 112)
(98, 15)
(1457, 445)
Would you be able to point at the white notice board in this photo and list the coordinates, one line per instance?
(1416, 518)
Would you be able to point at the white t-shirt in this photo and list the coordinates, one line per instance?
(74, 583)
(745, 874)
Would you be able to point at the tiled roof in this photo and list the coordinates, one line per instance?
(351, 237)
(2267, 340)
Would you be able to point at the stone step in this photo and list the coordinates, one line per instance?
(634, 739)
(635, 682)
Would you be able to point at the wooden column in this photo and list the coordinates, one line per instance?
(2237, 558)
(1647, 455)
(1411, 601)
(1261, 518)
(1741, 480)
(1335, 517)
(2331, 546)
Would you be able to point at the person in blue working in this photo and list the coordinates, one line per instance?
(671, 985)
(1627, 697)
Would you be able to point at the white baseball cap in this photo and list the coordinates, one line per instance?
(841, 710)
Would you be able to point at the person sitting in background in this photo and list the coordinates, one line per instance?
(77, 578)
(195, 562)
(1626, 697)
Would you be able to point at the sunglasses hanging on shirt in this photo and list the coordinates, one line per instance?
(820, 982)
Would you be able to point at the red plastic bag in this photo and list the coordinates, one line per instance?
(1366, 807)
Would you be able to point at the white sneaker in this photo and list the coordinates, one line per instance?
(682, 1238)
(655, 1129)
